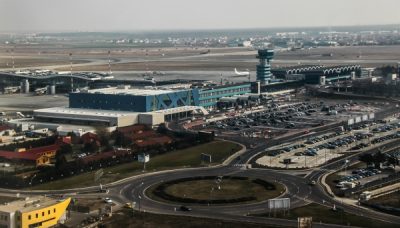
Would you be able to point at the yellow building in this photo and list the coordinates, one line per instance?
(33, 212)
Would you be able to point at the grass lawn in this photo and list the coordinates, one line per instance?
(230, 189)
(190, 157)
(326, 215)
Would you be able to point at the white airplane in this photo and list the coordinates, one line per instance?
(243, 73)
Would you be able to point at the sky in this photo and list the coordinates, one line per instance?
(145, 15)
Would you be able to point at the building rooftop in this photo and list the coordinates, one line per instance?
(83, 112)
(29, 204)
(30, 154)
(181, 109)
(125, 90)
(216, 86)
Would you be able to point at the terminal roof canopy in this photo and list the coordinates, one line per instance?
(132, 91)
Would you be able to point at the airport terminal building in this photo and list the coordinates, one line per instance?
(123, 106)
(124, 98)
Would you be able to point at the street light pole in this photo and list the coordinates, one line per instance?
(139, 197)
(30, 182)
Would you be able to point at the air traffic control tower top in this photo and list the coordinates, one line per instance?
(264, 74)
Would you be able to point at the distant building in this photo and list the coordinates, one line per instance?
(247, 43)
(6, 130)
(33, 212)
(284, 72)
(315, 74)
(332, 74)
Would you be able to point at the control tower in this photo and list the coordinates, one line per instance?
(264, 74)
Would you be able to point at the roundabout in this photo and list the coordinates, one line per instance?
(215, 190)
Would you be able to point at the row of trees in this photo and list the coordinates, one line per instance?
(379, 158)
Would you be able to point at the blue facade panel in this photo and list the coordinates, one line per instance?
(172, 100)
(118, 102)
(134, 103)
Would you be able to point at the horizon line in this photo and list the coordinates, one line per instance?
(187, 29)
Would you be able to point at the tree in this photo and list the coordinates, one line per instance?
(368, 159)
(65, 149)
(104, 136)
(379, 158)
(122, 140)
(393, 160)
(61, 161)
(91, 147)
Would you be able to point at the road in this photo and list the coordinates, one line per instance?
(300, 193)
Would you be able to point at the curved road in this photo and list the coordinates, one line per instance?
(297, 189)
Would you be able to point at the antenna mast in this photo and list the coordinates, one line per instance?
(109, 62)
(72, 79)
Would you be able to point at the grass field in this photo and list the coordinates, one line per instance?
(207, 189)
(190, 157)
(327, 215)
(390, 200)
(126, 219)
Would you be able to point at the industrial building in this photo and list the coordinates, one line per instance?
(33, 212)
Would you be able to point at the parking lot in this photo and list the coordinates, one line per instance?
(316, 151)
(276, 119)
(351, 178)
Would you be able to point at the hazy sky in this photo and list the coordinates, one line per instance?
(112, 15)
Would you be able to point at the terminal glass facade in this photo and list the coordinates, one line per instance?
(209, 97)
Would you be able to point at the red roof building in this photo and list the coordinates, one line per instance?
(131, 130)
(105, 155)
(154, 141)
(39, 155)
(89, 138)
